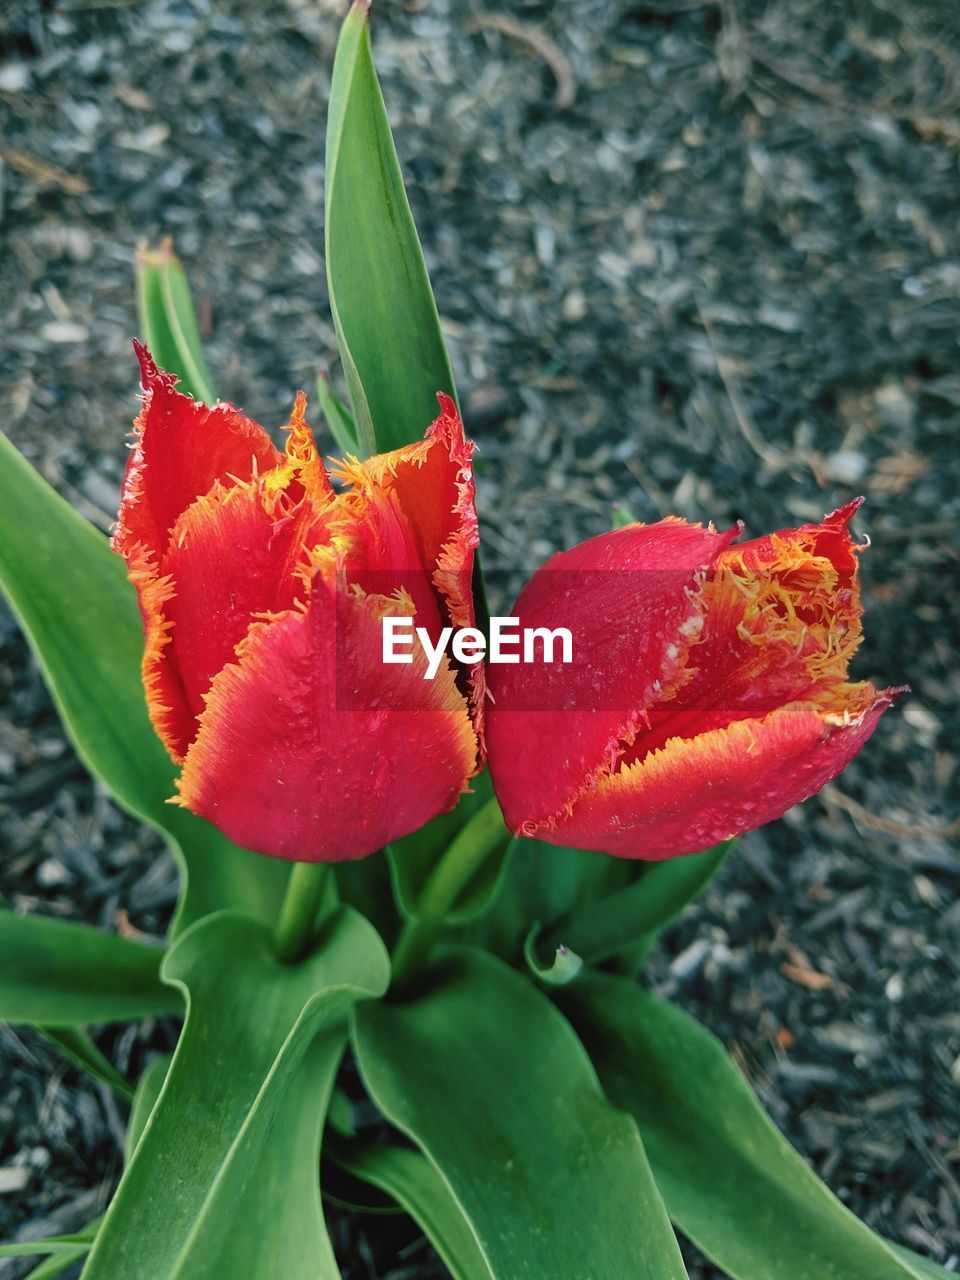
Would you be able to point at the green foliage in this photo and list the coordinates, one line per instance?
(729, 1179)
(491, 1083)
(236, 1127)
(71, 596)
(386, 319)
(410, 1180)
(414, 858)
(337, 416)
(57, 974)
(543, 884)
(144, 1100)
(634, 915)
(168, 322)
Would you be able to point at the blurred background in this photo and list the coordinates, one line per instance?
(693, 257)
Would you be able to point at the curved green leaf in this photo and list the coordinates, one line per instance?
(409, 1179)
(75, 1044)
(236, 1128)
(635, 914)
(337, 416)
(489, 1080)
(922, 1267)
(543, 883)
(56, 1265)
(168, 321)
(729, 1179)
(75, 1244)
(383, 308)
(71, 596)
(145, 1097)
(59, 974)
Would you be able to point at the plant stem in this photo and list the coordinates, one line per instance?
(299, 911)
(465, 855)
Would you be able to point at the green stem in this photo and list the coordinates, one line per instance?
(468, 851)
(299, 911)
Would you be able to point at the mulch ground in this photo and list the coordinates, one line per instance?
(700, 258)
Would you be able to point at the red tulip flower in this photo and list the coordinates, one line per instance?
(262, 588)
(707, 691)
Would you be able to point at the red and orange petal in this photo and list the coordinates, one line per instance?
(231, 558)
(695, 792)
(431, 483)
(166, 701)
(780, 621)
(629, 599)
(182, 448)
(235, 552)
(285, 765)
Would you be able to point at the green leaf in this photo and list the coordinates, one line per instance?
(383, 308)
(59, 974)
(236, 1128)
(409, 1179)
(565, 967)
(337, 416)
(925, 1268)
(729, 1179)
(57, 1264)
(148, 1090)
(542, 884)
(637, 913)
(77, 1243)
(488, 1079)
(71, 596)
(75, 1044)
(168, 320)
(413, 858)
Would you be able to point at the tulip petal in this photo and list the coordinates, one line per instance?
(695, 792)
(629, 600)
(431, 484)
(181, 448)
(235, 552)
(433, 481)
(282, 767)
(781, 619)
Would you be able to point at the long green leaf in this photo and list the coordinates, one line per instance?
(730, 1180)
(57, 1264)
(75, 1044)
(223, 1181)
(599, 930)
(923, 1267)
(493, 1086)
(148, 1090)
(168, 320)
(383, 307)
(409, 1179)
(337, 416)
(541, 885)
(60, 974)
(71, 595)
(78, 1242)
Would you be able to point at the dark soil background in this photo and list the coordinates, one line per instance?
(695, 257)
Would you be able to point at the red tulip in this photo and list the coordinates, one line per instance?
(707, 692)
(262, 589)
